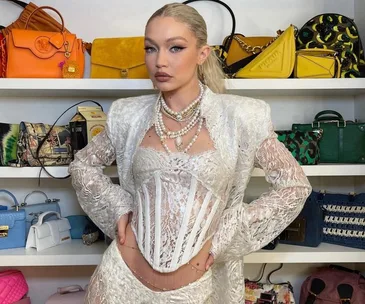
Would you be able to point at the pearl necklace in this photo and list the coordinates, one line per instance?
(179, 116)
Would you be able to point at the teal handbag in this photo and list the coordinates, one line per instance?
(342, 141)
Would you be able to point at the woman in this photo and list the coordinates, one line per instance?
(184, 159)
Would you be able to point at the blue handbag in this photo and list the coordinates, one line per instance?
(78, 224)
(307, 228)
(32, 211)
(12, 225)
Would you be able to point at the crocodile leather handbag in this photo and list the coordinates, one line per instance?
(12, 225)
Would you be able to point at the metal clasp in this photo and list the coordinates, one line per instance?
(4, 231)
(124, 73)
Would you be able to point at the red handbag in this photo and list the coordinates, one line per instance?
(2, 56)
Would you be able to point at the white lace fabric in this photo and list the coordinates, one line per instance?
(243, 137)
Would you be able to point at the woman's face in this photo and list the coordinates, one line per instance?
(172, 54)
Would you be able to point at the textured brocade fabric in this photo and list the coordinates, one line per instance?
(243, 137)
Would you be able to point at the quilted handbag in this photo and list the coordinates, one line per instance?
(55, 151)
(43, 235)
(73, 294)
(13, 286)
(41, 54)
(118, 58)
(303, 145)
(33, 211)
(338, 33)
(268, 293)
(342, 141)
(8, 143)
(12, 225)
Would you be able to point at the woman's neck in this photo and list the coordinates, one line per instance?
(179, 99)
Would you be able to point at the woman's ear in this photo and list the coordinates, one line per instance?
(204, 53)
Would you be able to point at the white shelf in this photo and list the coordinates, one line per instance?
(325, 253)
(315, 170)
(33, 87)
(74, 253)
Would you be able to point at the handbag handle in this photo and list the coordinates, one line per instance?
(50, 8)
(40, 218)
(228, 42)
(69, 289)
(16, 204)
(336, 116)
(47, 200)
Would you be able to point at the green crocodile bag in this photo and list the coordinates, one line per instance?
(338, 33)
(303, 145)
(8, 143)
(342, 141)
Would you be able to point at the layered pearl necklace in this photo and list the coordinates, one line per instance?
(192, 113)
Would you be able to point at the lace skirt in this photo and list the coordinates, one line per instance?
(114, 283)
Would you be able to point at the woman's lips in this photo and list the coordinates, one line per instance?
(162, 77)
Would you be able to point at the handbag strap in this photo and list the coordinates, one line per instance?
(46, 137)
(228, 42)
(20, 3)
(69, 289)
(50, 8)
(42, 215)
(16, 204)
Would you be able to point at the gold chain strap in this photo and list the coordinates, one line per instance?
(257, 48)
(3, 58)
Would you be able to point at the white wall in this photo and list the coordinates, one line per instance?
(94, 18)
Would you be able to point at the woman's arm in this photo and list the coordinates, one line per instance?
(245, 228)
(103, 201)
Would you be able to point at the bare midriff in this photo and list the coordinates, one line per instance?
(159, 281)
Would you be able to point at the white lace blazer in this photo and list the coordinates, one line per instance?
(243, 135)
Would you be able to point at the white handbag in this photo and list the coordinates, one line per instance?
(49, 234)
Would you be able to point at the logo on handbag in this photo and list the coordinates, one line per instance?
(42, 44)
(270, 60)
(4, 231)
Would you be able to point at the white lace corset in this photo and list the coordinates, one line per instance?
(180, 199)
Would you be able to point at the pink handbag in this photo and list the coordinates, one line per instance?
(73, 294)
(13, 286)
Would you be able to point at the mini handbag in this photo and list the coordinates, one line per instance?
(268, 293)
(317, 63)
(33, 211)
(73, 294)
(43, 235)
(13, 286)
(9, 134)
(276, 61)
(78, 224)
(12, 225)
(41, 54)
(118, 58)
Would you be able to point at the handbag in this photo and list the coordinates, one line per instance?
(78, 224)
(41, 54)
(342, 141)
(276, 61)
(344, 218)
(333, 284)
(317, 63)
(268, 293)
(303, 145)
(8, 143)
(307, 228)
(43, 235)
(118, 58)
(12, 225)
(13, 286)
(73, 294)
(335, 32)
(33, 211)
(55, 150)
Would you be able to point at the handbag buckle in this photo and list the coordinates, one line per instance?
(295, 231)
(124, 73)
(4, 231)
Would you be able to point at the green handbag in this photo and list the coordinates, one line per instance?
(342, 141)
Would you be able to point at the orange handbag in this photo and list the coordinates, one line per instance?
(40, 54)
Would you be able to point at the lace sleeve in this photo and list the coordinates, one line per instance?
(103, 201)
(245, 228)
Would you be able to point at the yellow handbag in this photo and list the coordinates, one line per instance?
(118, 58)
(317, 63)
(276, 61)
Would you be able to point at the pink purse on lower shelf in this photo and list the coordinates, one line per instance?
(13, 286)
(73, 294)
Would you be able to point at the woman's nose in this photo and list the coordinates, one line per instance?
(161, 60)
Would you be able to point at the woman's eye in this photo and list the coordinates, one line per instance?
(149, 49)
(176, 49)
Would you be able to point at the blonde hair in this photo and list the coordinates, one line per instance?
(210, 72)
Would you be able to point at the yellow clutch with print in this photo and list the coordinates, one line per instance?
(317, 63)
(276, 61)
(118, 58)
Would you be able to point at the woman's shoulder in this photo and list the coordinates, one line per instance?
(133, 105)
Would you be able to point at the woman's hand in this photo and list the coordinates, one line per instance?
(122, 225)
(209, 262)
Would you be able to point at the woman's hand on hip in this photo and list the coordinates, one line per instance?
(122, 225)
(209, 262)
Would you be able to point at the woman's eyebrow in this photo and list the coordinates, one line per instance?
(168, 40)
